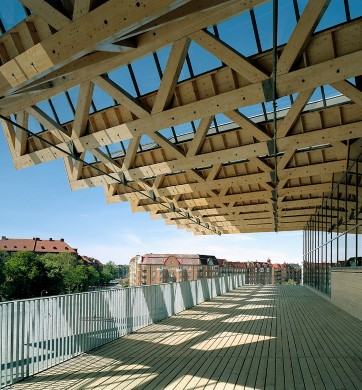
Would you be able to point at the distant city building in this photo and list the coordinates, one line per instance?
(164, 268)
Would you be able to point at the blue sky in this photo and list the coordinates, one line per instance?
(37, 201)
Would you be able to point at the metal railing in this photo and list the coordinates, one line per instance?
(39, 333)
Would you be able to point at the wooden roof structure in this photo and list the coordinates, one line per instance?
(248, 174)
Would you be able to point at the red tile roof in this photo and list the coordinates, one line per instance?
(17, 244)
(35, 245)
(53, 246)
(86, 260)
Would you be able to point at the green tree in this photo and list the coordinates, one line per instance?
(112, 268)
(25, 276)
(4, 256)
(290, 282)
(93, 276)
(55, 269)
(109, 272)
(76, 279)
(123, 271)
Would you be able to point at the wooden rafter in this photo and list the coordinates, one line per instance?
(171, 75)
(51, 15)
(230, 57)
(81, 8)
(222, 174)
(21, 136)
(147, 44)
(306, 25)
(19, 71)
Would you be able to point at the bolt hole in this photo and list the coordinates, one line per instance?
(106, 21)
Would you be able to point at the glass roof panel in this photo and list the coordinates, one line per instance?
(335, 14)
(355, 8)
(185, 73)
(45, 106)
(249, 111)
(239, 34)
(301, 5)
(264, 21)
(146, 74)
(317, 95)
(163, 56)
(283, 102)
(330, 91)
(89, 158)
(122, 77)
(184, 128)
(11, 13)
(222, 119)
(168, 134)
(62, 107)
(73, 94)
(146, 140)
(285, 13)
(34, 125)
(102, 99)
(114, 148)
(269, 106)
(196, 123)
(209, 62)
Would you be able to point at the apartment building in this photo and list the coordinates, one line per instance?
(164, 268)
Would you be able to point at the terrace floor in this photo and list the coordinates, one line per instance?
(254, 337)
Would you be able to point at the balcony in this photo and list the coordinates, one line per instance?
(254, 337)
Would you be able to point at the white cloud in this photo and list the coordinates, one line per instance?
(131, 238)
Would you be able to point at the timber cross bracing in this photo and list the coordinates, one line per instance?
(222, 174)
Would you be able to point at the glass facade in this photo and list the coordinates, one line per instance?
(332, 237)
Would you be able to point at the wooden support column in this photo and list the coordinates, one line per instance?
(21, 135)
(50, 14)
(172, 72)
(306, 25)
(82, 110)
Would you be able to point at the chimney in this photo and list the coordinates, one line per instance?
(3, 238)
(34, 238)
(50, 239)
(62, 239)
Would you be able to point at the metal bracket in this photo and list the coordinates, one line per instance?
(122, 178)
(268, 89)
(275, 194)
(274, 177)
(271, 148)
(75, 154)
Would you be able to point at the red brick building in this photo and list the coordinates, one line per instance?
(164, 268)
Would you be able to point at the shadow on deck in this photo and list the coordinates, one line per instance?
(254, 337)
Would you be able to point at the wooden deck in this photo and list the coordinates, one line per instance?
(255, 337)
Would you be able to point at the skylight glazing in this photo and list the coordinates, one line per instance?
(247, 34)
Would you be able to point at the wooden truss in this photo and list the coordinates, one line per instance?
(225, 178)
